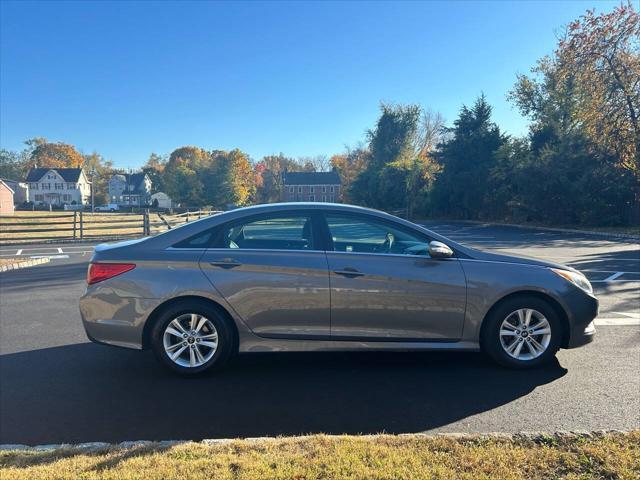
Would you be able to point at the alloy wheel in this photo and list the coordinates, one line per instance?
(525, 334)
(190, 340)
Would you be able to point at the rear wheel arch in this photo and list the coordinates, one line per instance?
(187, 300)
(553, 303)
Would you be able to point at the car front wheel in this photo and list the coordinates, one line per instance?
(522, 332)
(190, 338)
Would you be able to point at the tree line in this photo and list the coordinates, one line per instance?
(578, 164)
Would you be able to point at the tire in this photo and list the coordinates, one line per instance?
(215, 328)
(496, 338)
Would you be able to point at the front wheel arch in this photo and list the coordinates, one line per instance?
(155, 314)
(562, 314)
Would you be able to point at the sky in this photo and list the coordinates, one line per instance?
(126, 79)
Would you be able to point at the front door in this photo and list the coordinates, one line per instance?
(271, 272)
(384, 285)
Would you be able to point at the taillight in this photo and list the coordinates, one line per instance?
(102, 271)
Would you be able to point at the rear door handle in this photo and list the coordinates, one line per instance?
(349, 272)
(226, 263)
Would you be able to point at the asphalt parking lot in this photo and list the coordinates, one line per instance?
(55, 386)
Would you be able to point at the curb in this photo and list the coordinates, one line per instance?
(538, 437)
(19, 265)
(623, 236)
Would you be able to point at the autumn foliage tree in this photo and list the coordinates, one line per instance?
(99, 171)
(56, 155)
(600, 55)
(270, 168)
(349, 166)
(195, 177)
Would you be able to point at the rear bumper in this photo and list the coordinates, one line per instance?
(118, 323)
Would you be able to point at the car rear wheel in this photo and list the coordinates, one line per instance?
(191, 338)
(522, 332)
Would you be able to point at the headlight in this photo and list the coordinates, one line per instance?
(578, 279)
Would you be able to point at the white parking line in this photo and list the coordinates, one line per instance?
(617, 321)
(614, 276)
(615, 281)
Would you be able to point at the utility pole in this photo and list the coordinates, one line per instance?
(93, 176)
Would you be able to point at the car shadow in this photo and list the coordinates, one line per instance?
(88, 392)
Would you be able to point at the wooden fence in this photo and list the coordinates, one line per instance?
(78, 225)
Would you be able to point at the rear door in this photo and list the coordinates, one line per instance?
(272, 271)
(384, 285)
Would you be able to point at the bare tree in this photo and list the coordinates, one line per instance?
(430, 133)
(318, 163)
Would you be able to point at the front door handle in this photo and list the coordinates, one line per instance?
(225, 263)
(349, 272)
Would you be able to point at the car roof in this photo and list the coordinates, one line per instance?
(176, 235)
(272, 207)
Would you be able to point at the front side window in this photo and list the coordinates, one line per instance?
(291, 232)
(360, 234)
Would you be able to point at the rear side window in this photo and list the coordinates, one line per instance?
(201, 240)
(294, 232)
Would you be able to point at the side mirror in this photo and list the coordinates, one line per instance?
(439, 250)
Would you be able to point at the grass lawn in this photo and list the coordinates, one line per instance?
(609, 456)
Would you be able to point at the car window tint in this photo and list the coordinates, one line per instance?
(368, 235)
(277, 233)
(201, 240)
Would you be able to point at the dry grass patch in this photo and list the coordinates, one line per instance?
(9, 261)
(346, 457)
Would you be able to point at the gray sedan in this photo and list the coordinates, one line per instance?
(314, 276)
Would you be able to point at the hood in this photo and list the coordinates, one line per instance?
(495, 257)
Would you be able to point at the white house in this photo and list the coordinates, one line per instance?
(58, 186)
(130, 189)
(164, 200)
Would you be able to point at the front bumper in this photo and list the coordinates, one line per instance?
(583, 309)
(582, 336)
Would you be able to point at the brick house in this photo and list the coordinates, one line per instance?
(310, 187)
